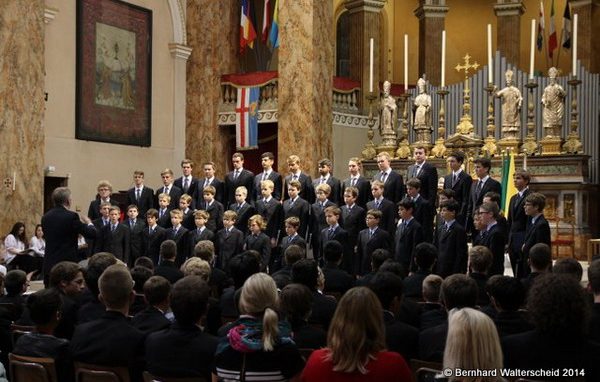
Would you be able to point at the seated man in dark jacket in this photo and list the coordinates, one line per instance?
(152, 318)
(507, 295)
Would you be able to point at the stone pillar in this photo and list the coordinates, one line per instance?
(588, 35)
(365, 23)
(431, 15)
(305, 82)
(212, 34)
(508, 29)
(21, 113)
(180, 54)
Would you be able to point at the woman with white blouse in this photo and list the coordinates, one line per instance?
(37, 242)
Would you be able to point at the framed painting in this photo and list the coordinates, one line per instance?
(114, 72)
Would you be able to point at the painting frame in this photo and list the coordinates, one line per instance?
(113, 73)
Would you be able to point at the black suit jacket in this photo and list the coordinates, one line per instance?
(116, 242)
(150, 320)
(193, 186)
(323, 308)
(476, 199)
(151, 242)
(174, 192)
(275, 177)
(145, 202)
(539, 232)
(272, 212)
(215, 215)
(364, 190)
(341, 236)
(336, 186)
(452, 250)
(462, 190)
(227, 246)
(168, 270)
(353, 221)
(307, 191)
(300, 209)
(181, 239)
(393, 187)
(165, 220)
(389, 212)
(135, 238)
(405, 240)
(262, 245)
(400, 337)
(365, 247)
(194, 237)
(495, 239)
(428, 177)
(517, 224)
(424, 213)
(432, 342)
(219, 186)
(317, 224)
(94, 208)
(244, 213)
(246, 179)
(337, 280)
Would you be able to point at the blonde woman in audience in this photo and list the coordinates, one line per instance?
(472, 344)
(356, 347)
(197, 267)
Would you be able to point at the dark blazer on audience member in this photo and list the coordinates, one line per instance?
(407, 237)
(462, 190)
(432, 342)
(168, 270)
(246, 179)
(393, 187)
(428, 177)
(272, 213)
(219, 186)
(400, 337)
(174, 192)
(244, 213)
(452, 250)
(413, 284)
(366, 246)
(307, 191)
(475, 199)
(115, 242)
(274, 177)
(145, 203)
(539, 232)
(336, 280)
(151, 242)
(323, 308)
(364, 190)
(150, 320)
(227, 246)
(389, 212)
(47, 346)
(495, 240)
(336, 186)
(300, 209)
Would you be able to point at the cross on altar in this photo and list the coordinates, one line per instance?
(467, 65)
(465, 126)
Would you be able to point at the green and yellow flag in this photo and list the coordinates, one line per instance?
(508, 186)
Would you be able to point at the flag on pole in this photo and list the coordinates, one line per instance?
(274, 33)
(266, 20)
(552, 39)
(566, 40)
(540, 34)
(508, 186)
(247, 31)
(246, 122)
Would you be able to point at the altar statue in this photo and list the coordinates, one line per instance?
(388, 110)
(511, 106)
(553, 100)
(422, 107)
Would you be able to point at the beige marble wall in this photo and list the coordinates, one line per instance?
(212, 34)
(21, 112)
(509, 29)
(305, 81)
(431, 25)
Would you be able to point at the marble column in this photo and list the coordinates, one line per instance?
(21, 113)
(588, 37)
(180, 54)
(365, 24)
(305, 82)
(508, 29)
(432, 17)
(212, 34)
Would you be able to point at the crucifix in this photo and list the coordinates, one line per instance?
(466, 126)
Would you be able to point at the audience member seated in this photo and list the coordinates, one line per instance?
(472, 344)
(184, 349)
(139, 275)
(15, 284)
(377, 258)
(568, 266)
(425, 256)
(540, 261)
(292, 254)
(296, 302)
(559, 311)
(152, 318)
(432, 312)
(399, 337)
(94, 309)
(594, 288)
(393, 266)
(167, 268)
(111, 340)
(480, 261)
(144, 261)
(337, 280)
(241, 266)
(507, 295)
(356, 348)
(258, 346)
(44, 309)
(195, 266)
(458, 291)
(218, 281)
(306, 272)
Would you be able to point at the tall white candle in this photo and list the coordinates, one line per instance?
(405, 63)
(443, 82)
(575, 45)
(532, 50)
(490, 64)
(371, 65)
(14, 186)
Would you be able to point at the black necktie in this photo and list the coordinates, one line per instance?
(137, 194)
(186, 185)
(330, 235)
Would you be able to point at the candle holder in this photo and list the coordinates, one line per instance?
(439, 149)
(489, 147)
(369, 151)
(573, 145)
(403, 151)
(530, 146)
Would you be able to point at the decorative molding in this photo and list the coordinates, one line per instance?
(580, 3)
(180, 51)
(430, 11)
(228, 118)
(509, 9)
(354, 6)
(49, 14)
(178, 18)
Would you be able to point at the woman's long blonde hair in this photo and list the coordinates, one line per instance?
(259, 298)
(356, 333)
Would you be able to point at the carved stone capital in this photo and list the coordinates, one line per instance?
(430, 11)
(503, 8)
(180, 51)
(354, 6)
(49, 14)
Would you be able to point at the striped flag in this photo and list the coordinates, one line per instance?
(552, 39)
(246, 122)
(508, 186)
(266, 20)
(247, 31)
(566, 37)
(540, 34)
(274, 33)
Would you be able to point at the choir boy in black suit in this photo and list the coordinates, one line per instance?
(496, 198)
(104, 195)
(394, 185)
(114, 237)
(538, 229)
(307, 191)
(355, 179)
(408, 235)
(243, 209)
(370, 239)
(200, 232)
(169, 188)
(271, 211)
(267, 160)
(136, 228)
(317, 217)
(179, 234)
(292, 237)
(460, 182)
(153, 236)
(188, 214)
(214, 209)
(483, 185)
(492, 236)
(424, 209)
(258, 241)
(425, 172)
(334, 232)
(98, 223)
(451, 242)
(352, 219)
(297, 207)
(517, 222)
(209, 179)
(229, 241)
(187, 182)
(140, 195)
(387, 207)
(164, 218)
(325, 167)
(443, 195)
(238, 177)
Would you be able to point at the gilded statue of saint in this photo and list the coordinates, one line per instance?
(511, 104)
(387, 109)
(422, 107)
(553, 100)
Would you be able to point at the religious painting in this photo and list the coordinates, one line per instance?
(114, 48)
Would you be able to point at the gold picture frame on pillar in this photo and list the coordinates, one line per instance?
(114, 72)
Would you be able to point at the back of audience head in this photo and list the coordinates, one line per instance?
(332, 252)
(458, 291)
(205, 249)
(540, 257)
(594, 277)
(480, 259)
(378, 257)
(506, 293)
(294, 253)
(568, 266)
(352, 343)
(392, 266)
(388, 288)
(144, 261)
(259, 298)
(156, 290)
(243, 266)
(15, 282)
(306, 272)
(67, 277)
(168, 250)
(296, 302)
(97, 263)
(197, 267)
(45, 307)
(431, 288)
(140, 275)
(189, 299)
(425, 255)
(558, 306)
(116, 288)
